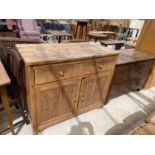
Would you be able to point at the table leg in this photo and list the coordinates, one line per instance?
(7, 108)
(117, 46)
(82, 32)
(86, 33)
(95, 40)
(59, 39)
(76, 31)
(89, 38)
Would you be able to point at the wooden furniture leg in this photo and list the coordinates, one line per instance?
(118, 47)
(6, 108)
(80, 32)
(59, 39)
(86, 33)
(76, 31)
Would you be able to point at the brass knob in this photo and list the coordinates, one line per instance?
(61, 73)
(75, 99)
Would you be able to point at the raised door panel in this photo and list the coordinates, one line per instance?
(57, 101)
(94, 91)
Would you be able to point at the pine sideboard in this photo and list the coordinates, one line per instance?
(64, 80)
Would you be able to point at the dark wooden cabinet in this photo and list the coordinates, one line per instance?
(131, 72)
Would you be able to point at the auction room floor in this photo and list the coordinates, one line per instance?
(119, 116)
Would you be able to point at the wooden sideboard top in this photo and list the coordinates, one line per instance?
(131, 55)
(4, 78)
(38, 54)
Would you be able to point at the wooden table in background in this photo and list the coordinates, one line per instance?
(117, 43)
(60, 34)
(97, 37)
(4, 80)
(109, 34)
(103, 32)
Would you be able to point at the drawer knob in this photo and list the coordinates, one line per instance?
(75, 99)
(61, 73)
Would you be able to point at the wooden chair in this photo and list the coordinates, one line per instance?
(16, 69)
(13, 63)
(10, 42)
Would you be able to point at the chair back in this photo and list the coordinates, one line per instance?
(9, 42)
(16, 71)
(27, 24)
(16, 66)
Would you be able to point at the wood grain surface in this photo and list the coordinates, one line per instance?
(64, 80)
(131, 55)
(37, 54)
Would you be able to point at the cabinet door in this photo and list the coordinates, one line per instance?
(57, 101)
(94, 91)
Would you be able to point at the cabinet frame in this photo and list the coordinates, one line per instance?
(32, 93)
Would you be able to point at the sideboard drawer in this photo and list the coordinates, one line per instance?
(126, 86)
(50, 73)
(129, 74)
(99, 65)
(135, 66)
